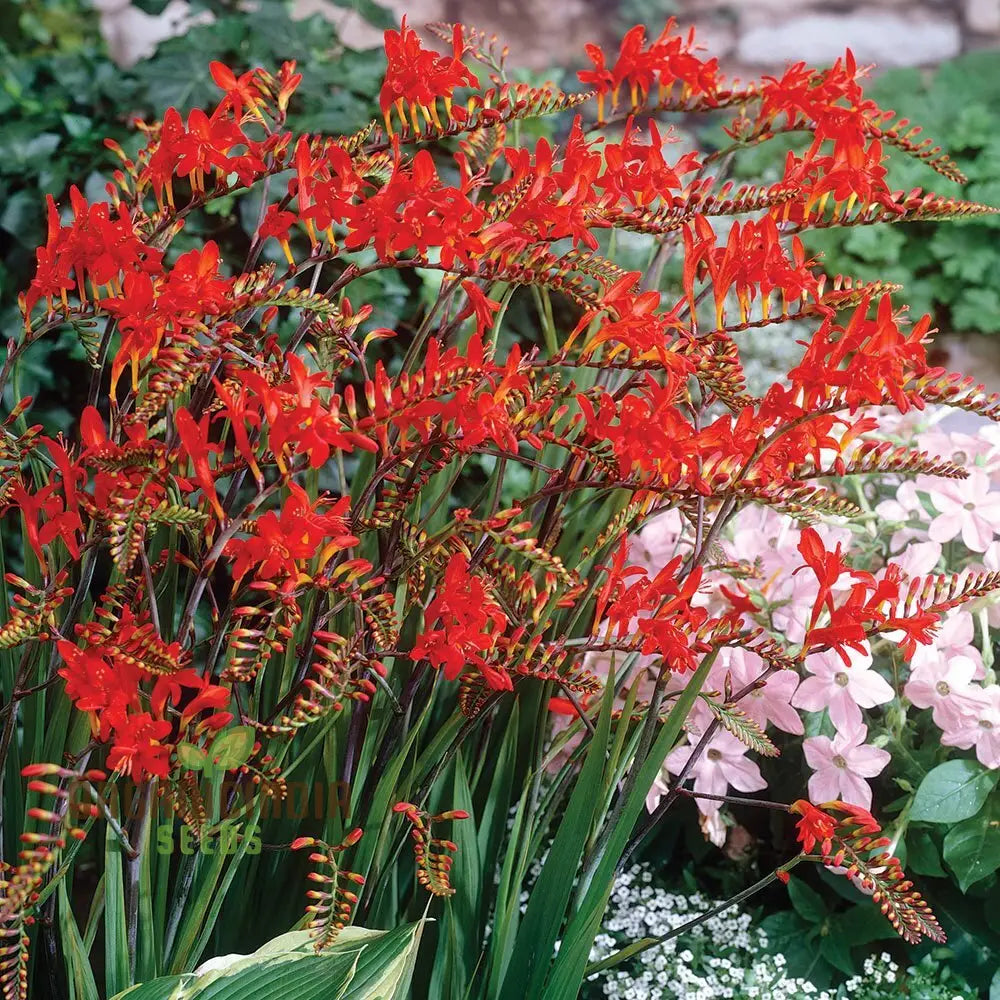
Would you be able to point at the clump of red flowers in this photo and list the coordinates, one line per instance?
(253, 531)
(848, 841)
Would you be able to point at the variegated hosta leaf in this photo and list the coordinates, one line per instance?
(362, 965)
(735, 721)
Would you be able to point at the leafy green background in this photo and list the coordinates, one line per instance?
(61, 96)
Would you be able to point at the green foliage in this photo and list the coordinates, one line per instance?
(953, 791)
(58, 107)
(972, 847)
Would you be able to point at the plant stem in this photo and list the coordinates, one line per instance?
(133, 866)
(637, 947)
(736, 800)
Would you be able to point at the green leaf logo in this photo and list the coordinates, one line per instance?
(191, 757)
(232, 748)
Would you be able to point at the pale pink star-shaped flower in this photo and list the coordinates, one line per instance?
(945, 686)
(843, 691)
(841, 766)
(917, 559)
(722, 764)
(967, 508)
(979, 729)
(656, 543)
(768, 705)
(902, 508)
(964, 449)
(953, 638)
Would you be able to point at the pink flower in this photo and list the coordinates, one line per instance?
(966, 508)
(723, 763)
(979, 729)
(714, 828)
(963, 449)
(653, 796)
(768, 705)
(904, 508)
(841, 765)
(945, 686)
(954, 638)
(917, 559)
(656, 543)
(843, 691)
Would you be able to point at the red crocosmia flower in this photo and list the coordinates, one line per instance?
(637, 173)
(565, 706)
(241, 92)
(45, 518)
(203, 144)
(668, 60)
(467, 622)
(869, 361)
(137, 749)
(814, 827)
(633, 321)
(419, 76)
(920, 627)
(210, 696)
(96, 248)
(196, 447)
(753, 262)
(97, 681)
(658, 609)
(297, 418)
(479, 306)
(141, 325)
(240, 409)
(741, 601)
(616, 573)
(277, 224)
(172, 687)
(283, 543)
(194, 285)
(828, 567)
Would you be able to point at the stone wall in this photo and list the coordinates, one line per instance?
(770, 33)
(749, 36)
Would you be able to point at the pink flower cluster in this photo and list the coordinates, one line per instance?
(959, 520)
(938, 525)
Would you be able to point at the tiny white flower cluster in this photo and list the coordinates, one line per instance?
(723, 957)
(877, 972)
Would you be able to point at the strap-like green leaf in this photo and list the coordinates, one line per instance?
(568, 972)
(529, 964)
